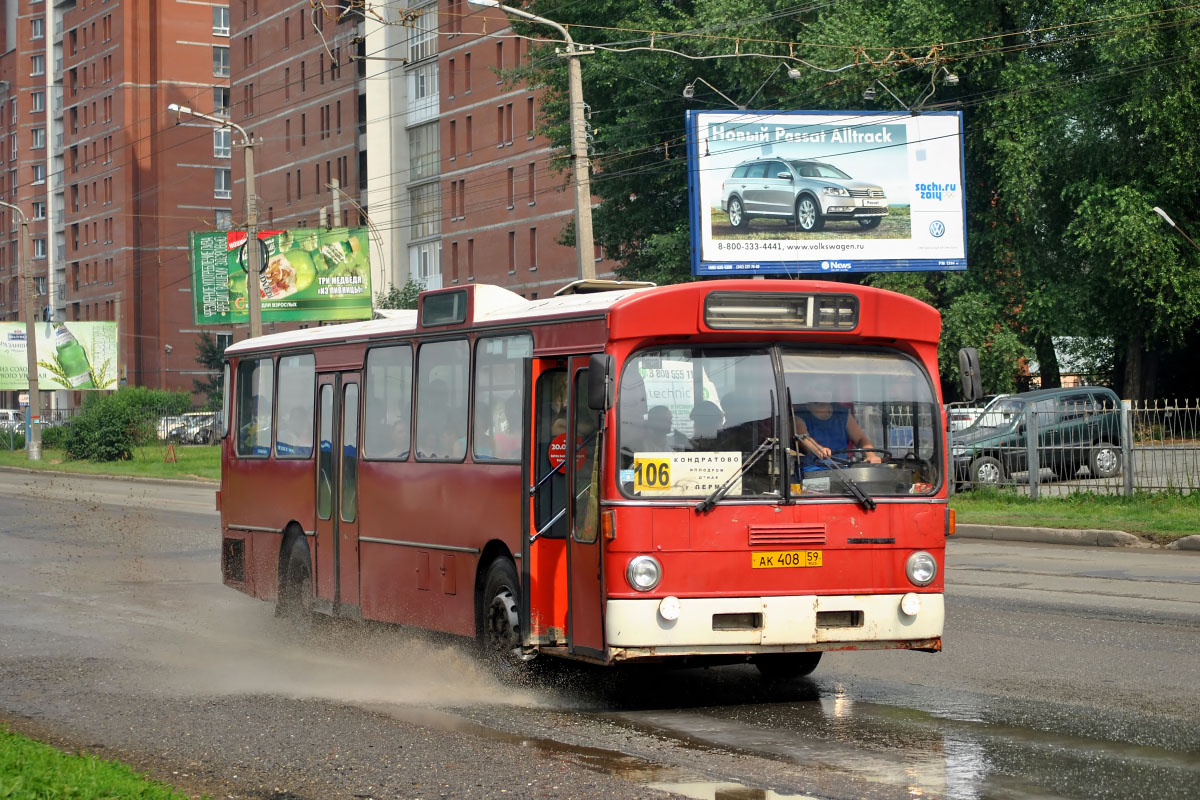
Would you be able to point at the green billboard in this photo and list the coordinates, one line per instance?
(70, 355)
(309, 275)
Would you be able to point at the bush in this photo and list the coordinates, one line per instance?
(54, 437)
(111, 425)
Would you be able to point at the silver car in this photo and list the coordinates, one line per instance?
(805, 192)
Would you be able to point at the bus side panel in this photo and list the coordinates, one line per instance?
(266, 493)
(455, 505)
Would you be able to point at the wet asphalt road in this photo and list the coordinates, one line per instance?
(1068, 672)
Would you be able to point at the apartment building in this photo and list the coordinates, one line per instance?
(111, 182)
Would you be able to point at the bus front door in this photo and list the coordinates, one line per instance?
(585, 625)
(337, 492)
(561, 552)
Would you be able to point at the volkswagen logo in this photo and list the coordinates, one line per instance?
(937, 228)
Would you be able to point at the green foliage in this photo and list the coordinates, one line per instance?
(55, 436)
(30, 769)
(212, 358)
(112, 425)
(404, 297)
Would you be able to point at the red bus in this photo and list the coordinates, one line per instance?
(741, 470)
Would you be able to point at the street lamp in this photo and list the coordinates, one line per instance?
(582, 168)
(35, 406)
(1171, 222)
(253, 250)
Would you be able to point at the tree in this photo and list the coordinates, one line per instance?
(211, 357)
(404, 297)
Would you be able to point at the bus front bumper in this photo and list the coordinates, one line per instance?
(715, 625)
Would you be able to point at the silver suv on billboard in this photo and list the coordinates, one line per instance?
(807, 193)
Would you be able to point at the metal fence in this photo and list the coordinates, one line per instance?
(1051, 450)
(165, 425)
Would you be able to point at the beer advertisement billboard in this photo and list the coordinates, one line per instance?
(70, 355)
(821, 192)
(308, 274)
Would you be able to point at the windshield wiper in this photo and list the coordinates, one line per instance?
(719, 493)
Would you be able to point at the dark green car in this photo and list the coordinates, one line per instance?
(1077, 427)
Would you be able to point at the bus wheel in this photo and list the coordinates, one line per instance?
(786, 666)
(295, 602)
(500, 631)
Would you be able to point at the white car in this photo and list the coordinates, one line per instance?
(964, 416)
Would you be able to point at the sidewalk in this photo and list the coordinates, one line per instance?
(1094, 538)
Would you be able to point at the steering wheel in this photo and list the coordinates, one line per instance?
(852, 455)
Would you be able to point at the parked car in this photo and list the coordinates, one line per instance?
(11, 419)
(194, 427)
(806, 192)
(1076, 427)
(963, 414)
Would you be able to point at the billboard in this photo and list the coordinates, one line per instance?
(822, 192)
(70, 355)
(309, 274)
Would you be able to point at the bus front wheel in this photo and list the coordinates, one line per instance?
(295, 602)
(500, 625)
(786, 666)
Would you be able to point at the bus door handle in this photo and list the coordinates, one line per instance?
(549, 525)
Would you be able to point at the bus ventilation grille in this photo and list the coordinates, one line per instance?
(787, 535)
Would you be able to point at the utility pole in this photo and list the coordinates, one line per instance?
(582, 168)
(35, 406)
(253, 247)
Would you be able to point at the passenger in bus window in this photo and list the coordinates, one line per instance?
(295, 434)
(435, 439)
(398, 446)
(660, 433)
(508, 441)
(483, 430)
(824, 427)
(707, 420)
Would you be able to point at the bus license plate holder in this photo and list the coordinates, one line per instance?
(786, 559)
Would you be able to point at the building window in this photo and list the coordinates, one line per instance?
(423, 151)
(221, 101)
(39, 209)
(422, 37)
(248, 100)
(303, 79)
(222, 184)
(37, 65)
(512, 252)
(220, 61)
(529, 186)
(220, 20)
(452, 78)
(499, 60)
(424, 202)
(222, 143)
(37, 28)
(533, 249)
(470, 259)
(39, 139)
(466, 73)
(530, 117)
(512, 188)
(39, 251)
(248, 49)
(37, 102)
(453, 139)
(470, 133)
(454, 262)
(39, 173)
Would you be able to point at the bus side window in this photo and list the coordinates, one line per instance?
(325, 455)
(442, 401)
(386, 420)
(294, 416)
(348, 503)
(499, 397)
(255, 391)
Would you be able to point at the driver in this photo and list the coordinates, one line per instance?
(823, 427)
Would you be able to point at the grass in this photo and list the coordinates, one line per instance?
(194, 462)
(1159, 516)
(31, 770)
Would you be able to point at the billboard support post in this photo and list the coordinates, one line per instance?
(253, 254)
(34, 445)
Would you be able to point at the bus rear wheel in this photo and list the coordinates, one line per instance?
(786, 666)
(295, 602)
(500, 620)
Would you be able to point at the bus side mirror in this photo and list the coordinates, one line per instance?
(968, 372)
(600, 393)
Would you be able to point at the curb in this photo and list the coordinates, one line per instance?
(127, 478)
(1093, 538)
(1186, 543)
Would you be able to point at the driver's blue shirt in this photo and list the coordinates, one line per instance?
(829, 433)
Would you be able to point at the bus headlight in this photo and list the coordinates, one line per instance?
(643, 573)
(921, 568)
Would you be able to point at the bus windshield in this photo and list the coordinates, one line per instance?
(688, 418)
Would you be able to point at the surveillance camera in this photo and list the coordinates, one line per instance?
(167, 348)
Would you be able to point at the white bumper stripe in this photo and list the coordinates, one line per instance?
(785, 621)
